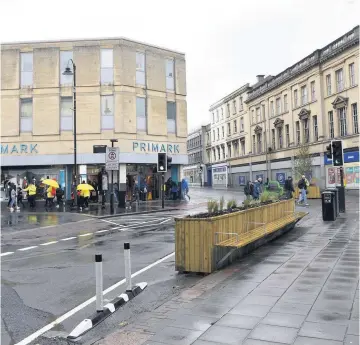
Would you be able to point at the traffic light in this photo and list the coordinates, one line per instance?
(161, 164)
(169, 162)
(337, 153)
(201, 168)
(328, 152)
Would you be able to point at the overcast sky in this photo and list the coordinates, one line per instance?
(226, 42)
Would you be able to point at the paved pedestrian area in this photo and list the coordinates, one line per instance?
(301, 289)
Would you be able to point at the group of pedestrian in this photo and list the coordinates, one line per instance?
(254, 189)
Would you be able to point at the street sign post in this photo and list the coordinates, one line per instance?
(112, 158)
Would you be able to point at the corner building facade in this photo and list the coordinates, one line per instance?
(125, 90)
(312, 102)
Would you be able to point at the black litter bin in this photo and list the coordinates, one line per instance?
(337, 205)
(328, 206)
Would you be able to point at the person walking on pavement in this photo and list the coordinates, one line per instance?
(302, 185)
(31, 189)
(184, 189)
(13, 198)
(59, 196)
(249, 190)
(289, 188)
(20, 197)
(256, 190)
(50, 194)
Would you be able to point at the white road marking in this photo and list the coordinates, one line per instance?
(68, 239)
(164, 221)
(109, 221)
(27, 248)
(87, 234)
(6, 253)
(49, 226)
(101, 231)
(48, 243)
(70, 313)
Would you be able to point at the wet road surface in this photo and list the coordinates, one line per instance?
(48, 264)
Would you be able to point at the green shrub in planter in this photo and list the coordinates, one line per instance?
(221, 203)
(210, 206)
(216, 207)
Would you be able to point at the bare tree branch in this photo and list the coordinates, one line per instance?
(303, 161)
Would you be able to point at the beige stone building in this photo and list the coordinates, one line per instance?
(312, 102)
(125, 90)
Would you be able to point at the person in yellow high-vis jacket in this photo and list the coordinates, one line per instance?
(84, 197)
(31, 189)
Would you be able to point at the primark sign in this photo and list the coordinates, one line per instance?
(18, 149)
(139, 146)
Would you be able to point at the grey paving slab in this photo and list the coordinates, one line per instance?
(250, 310)
(272, 333)
(225, 335)
(195, 322)
(315, 341)
(351, 340)
(227, 300)
(208, 310)
(330, 316)
(276, 292)
(176, 336)
(204, 342)
(353, 328)
(323, 331)
(260, 300)
(298, 298)
(279, 319)
(291, 308)
(355, 311)
(238, 321)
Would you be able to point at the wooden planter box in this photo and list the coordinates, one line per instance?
(195, 238)
(313, 192)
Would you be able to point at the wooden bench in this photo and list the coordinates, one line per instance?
(241, 240)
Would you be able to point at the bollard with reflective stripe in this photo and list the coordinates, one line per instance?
(127, 266)
(99, 283)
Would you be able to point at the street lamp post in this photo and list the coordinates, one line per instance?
(68, 71)
(112, 182)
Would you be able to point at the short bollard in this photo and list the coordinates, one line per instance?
(127, 266)
(99, 283)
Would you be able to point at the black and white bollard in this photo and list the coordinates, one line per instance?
(127, 266)
(99, 283)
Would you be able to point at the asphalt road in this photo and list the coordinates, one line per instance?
(48, 268)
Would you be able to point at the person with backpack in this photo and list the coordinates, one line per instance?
(289, 188)
(303, 184)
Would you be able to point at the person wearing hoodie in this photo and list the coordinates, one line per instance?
(289, 188)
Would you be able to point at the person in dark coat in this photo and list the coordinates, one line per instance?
(289, 188)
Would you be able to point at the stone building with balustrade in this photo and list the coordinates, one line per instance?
(312, 102)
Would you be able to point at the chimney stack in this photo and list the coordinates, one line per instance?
(260, 77)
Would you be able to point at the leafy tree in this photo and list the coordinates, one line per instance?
(303, 162)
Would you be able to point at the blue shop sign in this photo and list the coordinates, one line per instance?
(349, 157)
(7, 149)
